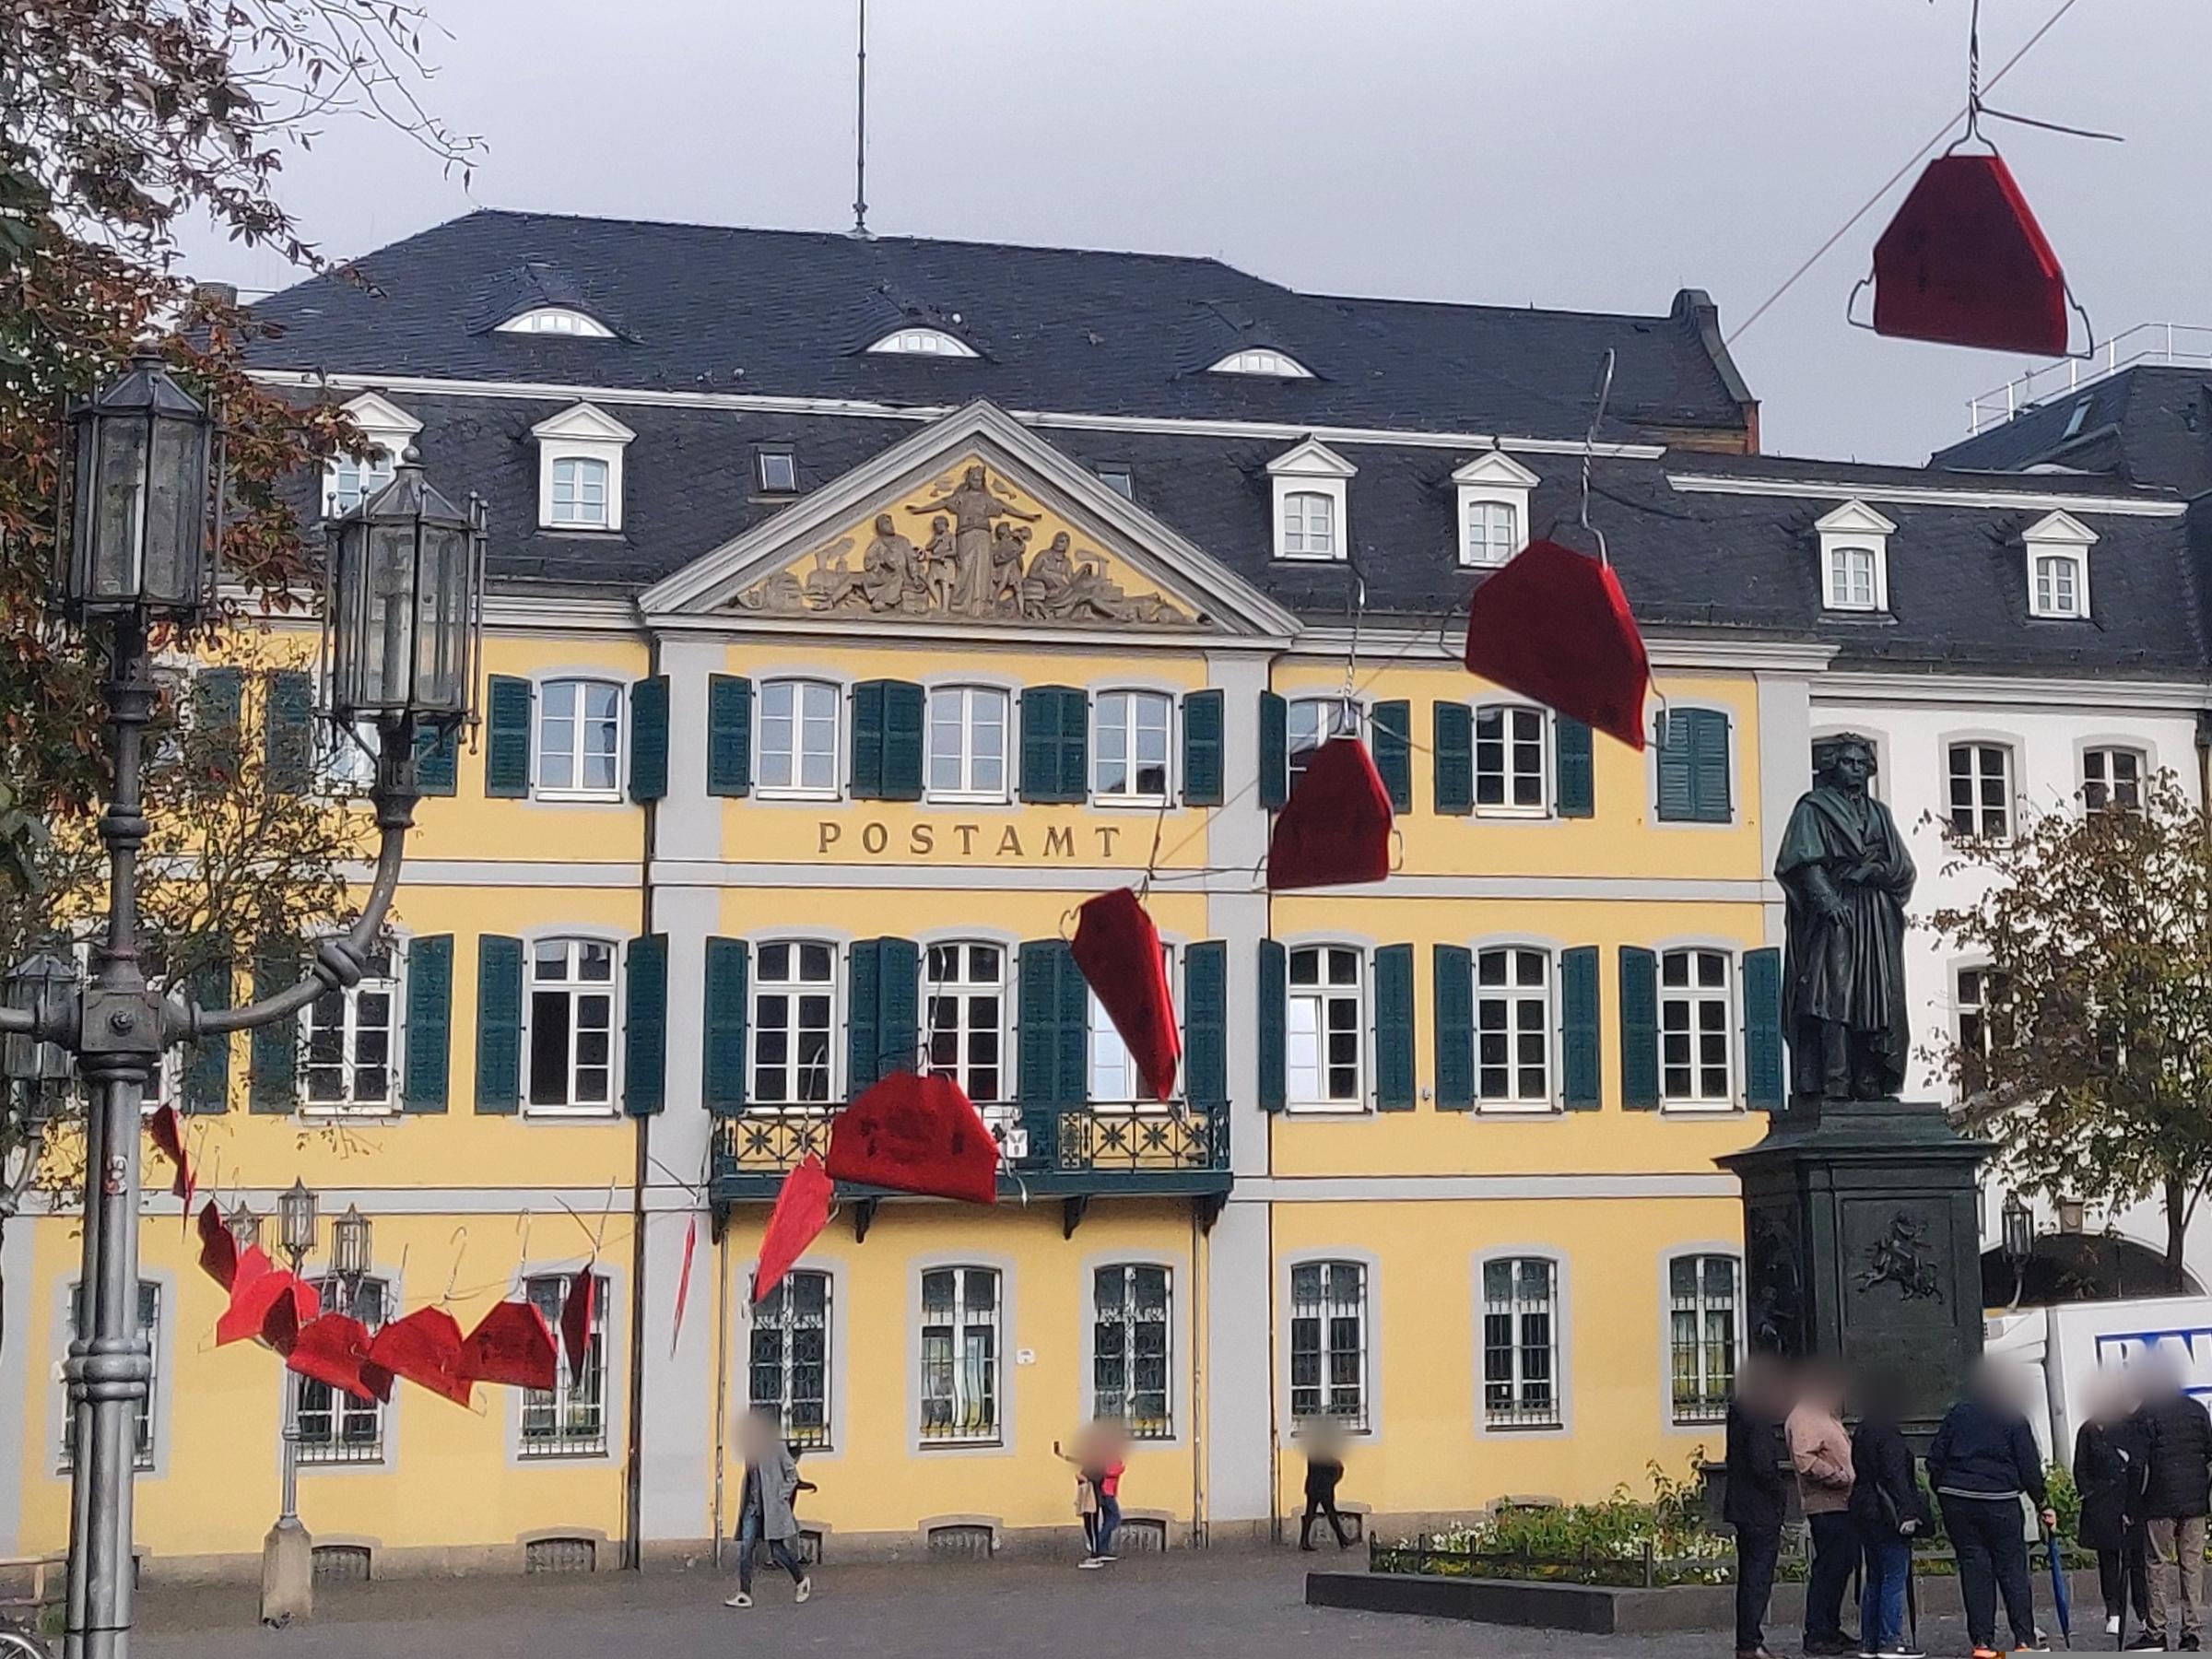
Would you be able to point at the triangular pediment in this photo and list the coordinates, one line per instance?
(586, 421)
(975, 520)
(1497, 468)
(2060, 526)
(380, 416)
(1855, 518)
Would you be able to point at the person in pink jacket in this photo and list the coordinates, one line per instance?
(1820, 1451)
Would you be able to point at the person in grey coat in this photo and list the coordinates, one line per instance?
(764, 1508)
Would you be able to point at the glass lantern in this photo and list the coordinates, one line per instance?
(244, 1225)
(296, 1220)
(407, 574)
(142, 480)
(2018, 1240)
(31, 985)
(349, 1250)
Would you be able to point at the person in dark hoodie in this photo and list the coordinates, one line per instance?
(2176, 1492)
(1889, 1513)
(2108, 1472)
(1983, 1460)
(1757, 1495)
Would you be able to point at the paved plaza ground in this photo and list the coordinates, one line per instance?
(1225, 1605)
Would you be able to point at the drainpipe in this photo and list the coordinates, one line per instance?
(634, 1470)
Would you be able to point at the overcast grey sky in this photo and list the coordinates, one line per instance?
(1573, 153)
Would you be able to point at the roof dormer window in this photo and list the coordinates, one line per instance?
(1493, 509)
(1265, 361)
(776, 470)
(2058, 567)
(922, 342)
(1855, 559)
(557, 319)
(386, 430)
(1311, 520)
(579, 470)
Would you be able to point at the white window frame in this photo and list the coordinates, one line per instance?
(969, 701)
(388, 429)
(345, 763)
(1322, 999)
(1854, 527)
(1511, 715)
(565, 320)
(789, 461)
(802, 689)
(1709, 1391)
(542, 717)
(581, 1398)
(1133, 698)
(392, 986)
(922, 342)
(1695, 997)
(581, 432)
(577, 989)
(1979, 1009)
(777, 1314)
(794, 986)
(1128, 1314)
(1264, 362)
(1329, 717)
(1312, 468)
(965, 1390)
(956, 994)
(1492, 480)
(1514, 1001)
(1977, 777)
(1104, 1051)
(2061, 537)
(2106, 758)
(1533, 1401)
(1327, 1310)
(575, 480)
(332, 1449)
(145, 1451)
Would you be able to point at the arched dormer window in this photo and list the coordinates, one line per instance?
(1265, 361)
(922, 342)
(557, 319)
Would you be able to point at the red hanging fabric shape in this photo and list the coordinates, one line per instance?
(576, 1318)
(915, 1135)
(802, 1211)
(512, 1345)
(300, 1306)
(168, 1130)
(425, 1348)
(1554, 625)
(1335, 826)
(219, 1246)
(334, 1348)
(1118, 949)
(256, 1287)
(1965, 264)
(682, 1282)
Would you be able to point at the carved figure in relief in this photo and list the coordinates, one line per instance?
(829, 585)
(888, 576)
(973, 508)
(938, 564)
(1010, 551)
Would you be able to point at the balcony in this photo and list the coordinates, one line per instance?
(1074, 1153)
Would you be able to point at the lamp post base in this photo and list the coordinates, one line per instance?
(287, 1574)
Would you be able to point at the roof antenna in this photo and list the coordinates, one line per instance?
(860, 148)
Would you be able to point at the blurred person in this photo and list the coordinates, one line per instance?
(764, 1511)
(2108, 1472)
(1984, 1459)
(1889, 1512)
(2176, 1489)
(1757, 1496)
(1101, 1457)
(1325, 1470)
(1820, 1452)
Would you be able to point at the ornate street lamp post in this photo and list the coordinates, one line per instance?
(405, 579)
(2017, 1242)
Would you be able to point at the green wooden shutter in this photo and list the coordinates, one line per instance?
(507, 702)
(1051, 985)
(1055, 739)
(898, 1015)
(428, 1031)
(499, 1024)
(649, 738)
(729, 968)
(1763, 1029)
(1203, 713)
(1573, 768)
(217, 709)
(1275, 750)
(1678, 768)
(1274, 1011)
(1075, 745)
(1454, 758)
(438, 760)
(1205, 1022)
(207, 1073)
(729, 734)
(1453, 966)
(902, 715)
(646, 1025)
(288, 732)
(1639, 1029)
(863, 996)
(866, 740)
(1710, 782)
(1581, 1044)
(273, 1052)
(1393, 732)
(1394, 1028)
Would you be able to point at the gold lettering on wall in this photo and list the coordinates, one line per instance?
(1063, 842)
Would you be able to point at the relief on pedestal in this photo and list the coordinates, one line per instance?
(1904, 1256)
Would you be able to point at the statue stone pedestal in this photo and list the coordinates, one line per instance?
(1862, 1244)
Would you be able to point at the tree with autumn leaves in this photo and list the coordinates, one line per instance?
(122, 123)
(2091, 1068)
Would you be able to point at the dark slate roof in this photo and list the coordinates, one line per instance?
(2149, 424)
(1691, 561)
(790, 313)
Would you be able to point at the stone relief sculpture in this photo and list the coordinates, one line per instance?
(976, 564)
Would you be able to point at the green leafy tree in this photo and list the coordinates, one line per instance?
(2092, 1068)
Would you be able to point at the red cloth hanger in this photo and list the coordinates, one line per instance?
(1554, 625)
(802, 1211)
(915, 1135)
(511, 1344)
(1118, 949)
(1335, 826)
(1964, 263)
(425, 1348)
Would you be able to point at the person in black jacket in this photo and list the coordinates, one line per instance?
(1325, 1470)
(1983, 1460)
(2176, 1492)
(1889, 1513)
(1757, 1494)
(2108, 1470)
